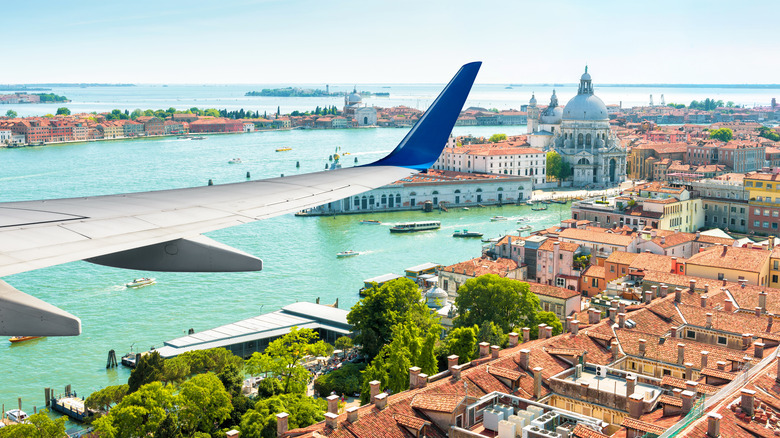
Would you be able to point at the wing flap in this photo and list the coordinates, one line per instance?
(24, 315)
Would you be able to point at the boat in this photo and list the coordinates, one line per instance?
(16, 415)
(492, 240)
(235, 161)
(466, 233)
(184, 137)
(199, 138)
(370, 222)
(15, 339)
(539, 207)
(529, 202)
(140, 282)
(559, 201)
(72, 406)
(348, 253)
(129, 360)
(520, 220)
(465, 209)
(524, 228)
(497, 218)
(283, 149)
(546, 201)
(410, 227)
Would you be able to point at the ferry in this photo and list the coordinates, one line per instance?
(140, 282)
(283, 149)
(466, 233)
(235, 161)
(15, 339)
(409, 227)
(497, 218)
(370, 222)
(348, 253)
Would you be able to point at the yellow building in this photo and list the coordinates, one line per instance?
(732, 264)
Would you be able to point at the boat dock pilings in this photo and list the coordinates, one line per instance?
(111, 362)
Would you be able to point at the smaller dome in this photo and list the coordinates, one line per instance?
(551, 116)
(533, 100)
(585, 76)
(354, 97)
(436, 297)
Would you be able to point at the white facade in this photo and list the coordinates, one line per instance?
(486, 159)
(5, 136)
(366, 116)
(249, 127)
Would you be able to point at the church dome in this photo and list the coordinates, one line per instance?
(532, 102)
(586, 107)
(354, 97)
(551, 116)
(436, 297)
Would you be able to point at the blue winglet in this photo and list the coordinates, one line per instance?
(423, 144)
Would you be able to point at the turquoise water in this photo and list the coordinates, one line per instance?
(299, 253)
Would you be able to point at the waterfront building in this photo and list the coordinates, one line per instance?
(512, 117)
(132, 128)
(152, 125)
(110, 129)
(176, 127)
(511, 157)
(216, 124)
(352, 102)
(439, 188)
(6, 136)
(366, 116)
(251, 335)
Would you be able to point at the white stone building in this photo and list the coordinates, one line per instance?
(366, 116)
(500, 158)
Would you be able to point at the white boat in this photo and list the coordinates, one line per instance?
(520, 220)
(497, 218)
(140, 282)
(235, 161)
(410, 227)
(529, 202)
(348, 253)
(465, 209)
(524, 228)
(466, 233)
(16, 415)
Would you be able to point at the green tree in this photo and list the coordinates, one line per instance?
(770, 134)
(10, 113)
(376, 370)
(175, 370)
(722, 134)
(149, 369)
(106, 397)
(232, 379)
(427, 360)
(345, 380)
(284, 356)
(495, 138)
(211, 360)
(374, 316)
(203, 404)
(38, 425)
(344, 343)
(551, 320)
(168, 428)
(503, 301)
(492, 334)
(261, 421)
(138, 414)
(211, 112)
(136, 113)
(63, 111)
(462, 341)
(554, 165)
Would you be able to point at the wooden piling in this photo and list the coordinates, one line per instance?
(111, 362)
(20, 403)
(47, 395)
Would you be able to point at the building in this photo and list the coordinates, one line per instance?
(132, 128)
(511, 157)
(731, 264)
(152, 125)
(352, 102)
(217, 124)
(763, 202)
(366, 116)
(556, 265)
(561, 301)
(438, 188)
(725, 203)
(452, 277)
(6, 136)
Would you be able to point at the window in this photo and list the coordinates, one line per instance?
(756, 223)
(720, 276)
(766, 224)
(446, 284)
(759, 184)
(774, 279)
(560, 282)
(775, 213)
(611, 268)
(595, 282)
(757, 212)
(722, 340)
(690, 334)
(766, 213)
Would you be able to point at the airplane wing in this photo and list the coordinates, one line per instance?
(161, 230)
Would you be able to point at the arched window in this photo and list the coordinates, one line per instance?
(371, 200)
(583, 161)
(587, 140)
(413, 194)
(384, 199)
(500, 189)
(357, 201)
(457, 191)
(580, 140)
(479, 190)
(398, 199)
(521, 188)
(435, 192)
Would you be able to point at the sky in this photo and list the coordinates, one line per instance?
(399, 41)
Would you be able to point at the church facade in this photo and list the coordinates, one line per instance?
(581, 134)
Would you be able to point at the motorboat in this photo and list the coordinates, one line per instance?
(283, 149)
(559, 201)
(524, 228)
(15, 339)
(498, 218)
(410, 227)
(492, 240)
(235, 161)
(370, 222)
(466, 233)
(17, 415)
(199, 138)
(529, 202)
(348, 253)
(465, 209)
(520, 220)
(140, 282)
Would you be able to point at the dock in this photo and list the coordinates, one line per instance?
(251, 335)
(72, 406)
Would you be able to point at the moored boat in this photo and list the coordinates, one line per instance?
(466, 233)
(409, 227)
(538, 207)
(370, 222)
(15, 339)
(16, 415)
(348, 253)
(140, 282)
(529, 202)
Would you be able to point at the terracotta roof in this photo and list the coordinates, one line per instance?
(594, 236)
(505, 373)
(409, 421)
(622, 257)
(670, 400)
(633, 423)
(594, 271)
(654, 262)
(437, 402)
(549, 245)
(742, 259)
(481, 266)
(720, 374)
(581, 431)
(553, 291)
(681, 384)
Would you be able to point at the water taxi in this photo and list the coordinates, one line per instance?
(410, 227)
(140, 282)
(370, 222)
(466, 233)
(235, 161)
(16, 415)
(524, 228)
(348, 253)
(529, 202)
(199, 138)
(283, 149)
(15, 339)
(497, 218)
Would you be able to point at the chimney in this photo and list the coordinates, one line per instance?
(758, 310)
(331, 420)
(525, 356)
(663, 240)
(673, 333)
(654, 290)
(456, 371)
(622, 307)
(747, 401)
(758, 351)
(688, 370)
(495, 349)
(692, 285)
(352, 414)
(484, 349)
(704, 355)
(687, 398)
(677, 295)
(680, 353)
(414, 372)
(526, 334)
(728, 305)
(540, 333)
(648, 296)
(452, 360)
(374, 387)
(635, 405)
(665, 288)
(622, 320)
(762, 300)
(594, 316)
(538, 382)
(713, 424)
(747, 339)
(513, 338)
(281, 423)
(769, 321)
(422, 380)
(614, 347)
(584, 386)
(704, 301)
(584, 357)
(381, 400)
(575, 327)
(709, 320)
(612, 313)
(333, 404)
(630, 385)
(567, 324)
(721, 365)
(692, 386)
(548, 332)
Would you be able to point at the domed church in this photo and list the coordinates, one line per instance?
(580, 133)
